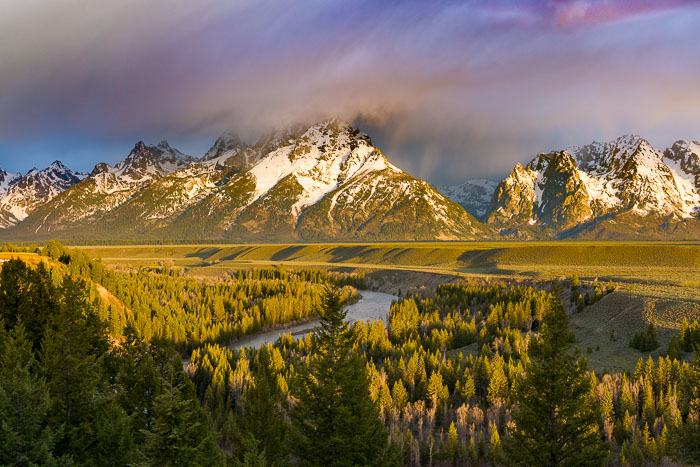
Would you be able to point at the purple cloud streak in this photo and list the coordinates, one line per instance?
(472, 86)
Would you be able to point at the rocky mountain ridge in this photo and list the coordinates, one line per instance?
(563, 192)
(21, 194)
(325, 181)
(328, 182)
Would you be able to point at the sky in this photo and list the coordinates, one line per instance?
(449, 91)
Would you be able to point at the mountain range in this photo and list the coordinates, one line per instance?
(328, 182)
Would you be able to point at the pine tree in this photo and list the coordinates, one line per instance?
(674, 349)
(648, 406)
(263, 415)
(467, 390)
(335, 421)
(498, 385)
(71, 362)
(495, 449)
(575, 283)
(687, 436)
(555, 420)
(452, 443)
(399, 395)
(139, 377)
(179, 435)
(435, 388)
(627, 403)
(25, 436)
(606, 406)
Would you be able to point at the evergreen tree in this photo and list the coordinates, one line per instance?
(25, 436)
(263, 417)
(139, 379)
(180, 435)
(555, 420)
(28, 295)
(687, 437)
(606, 406)
(399, 395)
(71, 362)
(335, 421)
(498, 385)
(674, 349)
(452, 443)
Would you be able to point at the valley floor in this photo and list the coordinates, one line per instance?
(657, 281)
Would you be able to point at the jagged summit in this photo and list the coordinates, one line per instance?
(585, 185)
(320, 181)
(146, 162)
(7, 180)
(225, 145)
(473, 195)
(327, 181)
(21, 195)
(684, 158)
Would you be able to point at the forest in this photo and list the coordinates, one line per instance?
(467, 375)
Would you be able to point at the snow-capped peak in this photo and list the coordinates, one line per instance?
(684, 158)
(169, 151)
(146, 162)
(24, 194)
(226, 146)
(473, 195)
(624, 175)
(7, 180)
(321, 159)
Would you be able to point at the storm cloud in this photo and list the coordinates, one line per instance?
(448, 90)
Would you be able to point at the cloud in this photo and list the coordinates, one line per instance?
(472, 86)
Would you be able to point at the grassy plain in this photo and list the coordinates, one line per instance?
(657, 281)
(663, 263)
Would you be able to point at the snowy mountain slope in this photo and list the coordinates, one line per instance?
(7, 180)
(21, 195)
(562, 190)
(473, 195)
(105, 189)
(629, 174)
(388, 205)
(684, 160)
(320, 181)
(328, 182)
(310, 175)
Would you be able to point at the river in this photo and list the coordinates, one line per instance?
(372, 306)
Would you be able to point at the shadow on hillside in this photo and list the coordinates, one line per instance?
(395, 254)
(342, 254)
(285, 253)
(479, 258)
(482, 262)
(238, 253)
(203, 253)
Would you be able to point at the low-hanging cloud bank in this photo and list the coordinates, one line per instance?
(449, 90)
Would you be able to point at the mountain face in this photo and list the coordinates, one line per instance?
(575, 191)
(473, 195)
(21, 195)
(684, 158)
(326, 181)
(105, 189)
